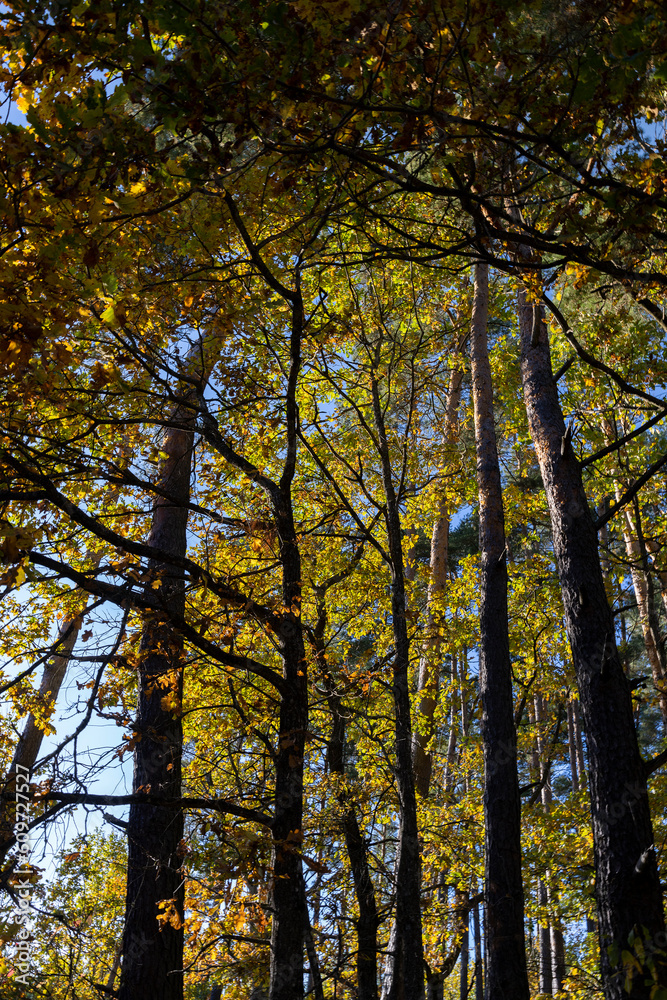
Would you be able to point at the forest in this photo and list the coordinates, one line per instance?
(333, 500)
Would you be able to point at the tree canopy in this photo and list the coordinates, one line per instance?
(332, 471)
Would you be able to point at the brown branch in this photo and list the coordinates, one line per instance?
(148, 799)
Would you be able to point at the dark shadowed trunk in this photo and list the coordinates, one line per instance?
(288, 897)
(507, 977)
(367, 922)
(153, 934)
(627, 885)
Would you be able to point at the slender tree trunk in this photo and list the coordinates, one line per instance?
(30, 740)
(451, 742)
(544, 943)
(367, 923)
(654, 548)
(574, 771)
(558, 967)
(29, 743)
(507, 976)
(479, 970)
(288, 895)
(579, 741)
(153, 932)
(637, 556)
(407, 963)
(429, 664)
(627, 885)
(465, 953)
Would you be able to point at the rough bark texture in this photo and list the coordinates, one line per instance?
(152, 948)
(288, 896)
(507, 977)
(429, 664)
(406, 972)
(627, 898)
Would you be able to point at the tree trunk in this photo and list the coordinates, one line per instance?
(153, 932)
(479, 971)
(288, 896)
(544, 943)
(558, 967)
(627, 888)
(465, 951)
(637, 555)
(367, 923)
(574, 771)
(29, 743)
(507, 976)
(406, 973)
(451, 742)
(429, 664)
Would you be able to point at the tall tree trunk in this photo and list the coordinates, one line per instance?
(29, 743)
(558, 967)
(406, 974)
(429, 664)
(451, 742)
(367, 922)
(153, 933)
(544, 943)
(572, 749)
(627, 888)
(579, 741)
(465, 955)
(288, 895)
(654, 548)
(507, 976)
(479, 970)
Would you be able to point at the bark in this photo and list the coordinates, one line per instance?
(574, 770)
(406, 971)
(288, 896)
(153, 948)
(627, 898)
(558, 967)
(429, 664)
(544, 943)
(507, 976)
(479, 972)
